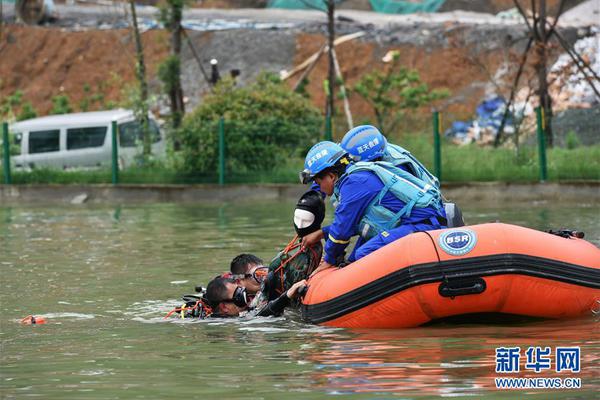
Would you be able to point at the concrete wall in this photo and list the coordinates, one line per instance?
(488, 194)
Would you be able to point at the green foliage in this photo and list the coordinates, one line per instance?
(393, 91)
(266, 124)
(27, 112)
(168, 72)
(572, 140)
(13, 107)
(302, 88)
(171, 11)
(9, 104)
(472, 163)
(61, 105)
(93, 100)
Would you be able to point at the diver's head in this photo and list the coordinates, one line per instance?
(248, 271)
(226, 298)
(309, 213)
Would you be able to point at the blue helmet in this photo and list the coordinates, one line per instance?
(364, 143)
(321, 156)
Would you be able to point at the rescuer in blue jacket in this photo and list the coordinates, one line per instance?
(378, 201)
(367, 143)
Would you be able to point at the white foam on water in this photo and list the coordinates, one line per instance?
(69, 315)
(264, 329)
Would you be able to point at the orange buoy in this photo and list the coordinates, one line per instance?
(32, 320)
(487, 268)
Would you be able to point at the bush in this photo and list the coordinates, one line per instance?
(394, 91)
(572, 140)
(265, 125)
(61, 105)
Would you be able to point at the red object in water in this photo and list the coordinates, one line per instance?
(32, 320)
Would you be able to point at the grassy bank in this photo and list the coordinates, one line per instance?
(472, 163)
(459, 164)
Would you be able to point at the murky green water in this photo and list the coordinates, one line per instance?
(105, 276)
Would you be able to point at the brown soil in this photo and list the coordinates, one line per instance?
(44, 62)
(453, 68)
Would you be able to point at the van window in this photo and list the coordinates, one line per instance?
(44, 141)
(81, 138)
(130, 133)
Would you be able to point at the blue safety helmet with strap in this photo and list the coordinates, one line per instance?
(321, 156)
(364, 143)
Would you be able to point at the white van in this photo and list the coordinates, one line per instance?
(81, 139)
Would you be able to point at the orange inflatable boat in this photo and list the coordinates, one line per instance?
(488, 268)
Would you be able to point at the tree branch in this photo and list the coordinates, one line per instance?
(522, 12)
(196, 57)
(512, 92)
(561, 9)
(577, 59)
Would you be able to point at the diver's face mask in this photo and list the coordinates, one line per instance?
(239, 298)
(306, 177)
(258, 274)
(309, 213)
(303, 218)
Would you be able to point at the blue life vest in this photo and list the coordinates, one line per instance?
(398, 155)
(404, 186)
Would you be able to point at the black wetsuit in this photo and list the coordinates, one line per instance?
(274, 307)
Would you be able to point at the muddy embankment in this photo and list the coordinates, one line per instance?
(469, 54)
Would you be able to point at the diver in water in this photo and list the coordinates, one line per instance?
(290, 265)
(256, 287)
(227, 299)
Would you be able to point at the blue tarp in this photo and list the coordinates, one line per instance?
(406, 7)
(489, 115)
(299, 4)
(381, 6)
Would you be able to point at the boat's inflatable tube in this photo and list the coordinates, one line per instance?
(484, 268)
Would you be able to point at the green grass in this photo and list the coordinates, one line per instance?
(459, 164)
(472, 163)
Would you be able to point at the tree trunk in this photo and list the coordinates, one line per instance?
(141, 76)
(176, 95)
(542, 73)
(330, 111)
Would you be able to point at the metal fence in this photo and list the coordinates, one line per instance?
(439, 123)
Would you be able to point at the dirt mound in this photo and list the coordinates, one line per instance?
(45, 62)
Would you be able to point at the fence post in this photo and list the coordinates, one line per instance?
(221, 151)
(6, 146)
(539, 112)
(328, 133)
(115, 154)
(437, 150)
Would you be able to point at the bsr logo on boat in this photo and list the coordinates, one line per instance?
(458, 242)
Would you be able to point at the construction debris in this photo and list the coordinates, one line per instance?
(483, 129)
(569, 87)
